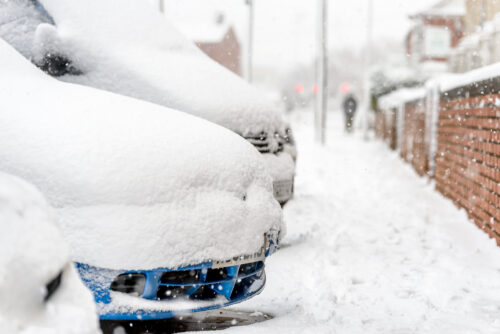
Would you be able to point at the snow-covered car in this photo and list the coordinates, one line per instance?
(136, 52)
(40, 291)
(164, 212)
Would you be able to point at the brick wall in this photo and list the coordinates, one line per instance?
(468, 155)
(454, 136)
(391, 128)
(413, 145)
(380, 125)
(385, 126)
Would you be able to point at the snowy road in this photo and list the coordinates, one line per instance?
(372, 248)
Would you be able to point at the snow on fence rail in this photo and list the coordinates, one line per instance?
(453, 136)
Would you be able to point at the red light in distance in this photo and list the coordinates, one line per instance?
(345, 88)
(299, 88)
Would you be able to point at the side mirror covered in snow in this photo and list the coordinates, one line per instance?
(49, 52)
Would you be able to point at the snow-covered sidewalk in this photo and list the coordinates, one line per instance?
(372, 248)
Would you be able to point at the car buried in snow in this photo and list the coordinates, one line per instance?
(158, 221)
(78, 42)
(40, 291)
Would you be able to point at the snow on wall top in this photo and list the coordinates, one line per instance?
(463, 79)
(389, 100)
(33, 253)
(153, 62)
(442, 80)
(134, 185)
(400, 96)
(446, 82)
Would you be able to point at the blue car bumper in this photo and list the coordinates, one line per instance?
(163, 293)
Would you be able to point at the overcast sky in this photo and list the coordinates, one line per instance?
(285, 29)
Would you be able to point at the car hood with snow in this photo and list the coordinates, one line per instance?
(134, 185)
(154, 63)
(40, 291)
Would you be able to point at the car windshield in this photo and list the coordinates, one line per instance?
(18, 23)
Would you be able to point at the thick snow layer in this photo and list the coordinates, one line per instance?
(410, 94)
(281, 166)
(480, 74)
(136, 52)
(390, 100)
(33, 253)
(400, 96)
(373, 248)
(124, 303)
(134, 185)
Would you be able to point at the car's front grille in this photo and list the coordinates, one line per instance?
(218, 274)
(261, 142)
(242, 286)
(199, 283)
(166, 292)
(178, 277)
(265, 143)
(249, 268)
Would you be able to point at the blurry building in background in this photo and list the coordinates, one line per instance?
(478, 12)
(437, 30)
(212, 32)
(220, 43)
(481, 46)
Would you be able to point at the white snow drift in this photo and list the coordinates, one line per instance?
(134, 185)
(373, 248)
(33, 253)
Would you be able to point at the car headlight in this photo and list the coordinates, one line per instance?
(289, 136)
(266, 143)
(52, 286)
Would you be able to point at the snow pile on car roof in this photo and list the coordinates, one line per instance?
(33, 254)
(134, 185)
(136, 52)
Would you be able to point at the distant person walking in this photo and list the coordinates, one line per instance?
(350, 104)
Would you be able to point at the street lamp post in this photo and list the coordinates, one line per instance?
(367, 63)
(322, 72)
(482, 14)
(249, 64)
